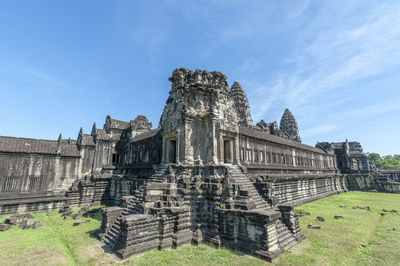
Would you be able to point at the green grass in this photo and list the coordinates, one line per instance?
(57, 243)
(335, 244)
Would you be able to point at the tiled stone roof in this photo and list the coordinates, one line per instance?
(265, 136)
(118, 124)
(25, 145)
(147, 134)
(87, 140)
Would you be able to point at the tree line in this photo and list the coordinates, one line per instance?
(388, 162)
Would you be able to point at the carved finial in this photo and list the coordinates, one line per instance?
(94, 128)
(59, 141)
(346, 146)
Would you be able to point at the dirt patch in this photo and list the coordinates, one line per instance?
(38, 257)
(298, 249)
(92, 250)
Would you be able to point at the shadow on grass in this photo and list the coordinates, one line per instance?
(95, 235)
(94, 214)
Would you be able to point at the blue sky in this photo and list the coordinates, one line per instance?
(334, 64)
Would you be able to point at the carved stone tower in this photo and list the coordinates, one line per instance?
(199, 121)
(289, 126)
(242, 104)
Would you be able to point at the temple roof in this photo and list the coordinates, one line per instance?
(102, 134)
(25, 145)
(119, 124)
(115, 124)
(255, 133)
(147, 134)
(87, 140)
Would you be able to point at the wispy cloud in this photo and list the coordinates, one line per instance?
(50, 80)
(317, 130)
(369, 111)
(336, 55)
(297, 12)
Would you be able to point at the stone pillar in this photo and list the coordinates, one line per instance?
(359, 164)
(231, 145)
(164, 151)
(214, 143)
(221, 148)
(188, 135)
(236, 157)
(177, 148)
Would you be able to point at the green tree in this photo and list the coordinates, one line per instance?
(388, 162)
(375, 159)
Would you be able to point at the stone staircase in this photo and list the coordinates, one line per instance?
(246, 188)
(157, 192)
(112, 235)
(134, 204)
(286, 239)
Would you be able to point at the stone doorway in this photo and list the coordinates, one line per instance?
(172, 151)
(228, 151)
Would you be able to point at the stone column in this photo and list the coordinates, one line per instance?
(232, 159)
(164, 151)
(221, 148)
(177, 148)
(236, 157)
(187, 135)
(214, 143)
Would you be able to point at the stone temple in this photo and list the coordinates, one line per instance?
(207, 174)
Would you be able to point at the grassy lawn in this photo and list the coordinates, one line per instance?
(335, 244)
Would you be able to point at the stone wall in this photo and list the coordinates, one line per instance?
(259, 149)
(35, 173)
(376, 182)
(22, 173)
(392, 174)
(300, 190)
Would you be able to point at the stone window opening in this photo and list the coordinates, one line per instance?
(154, 156)
(115, 158)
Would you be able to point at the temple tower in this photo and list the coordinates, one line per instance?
(241, 104)
(289, 126)
(200, 123)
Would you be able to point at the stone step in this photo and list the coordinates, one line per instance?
(111, 241)
(112, 233)
(115, 230)
(288, 242)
